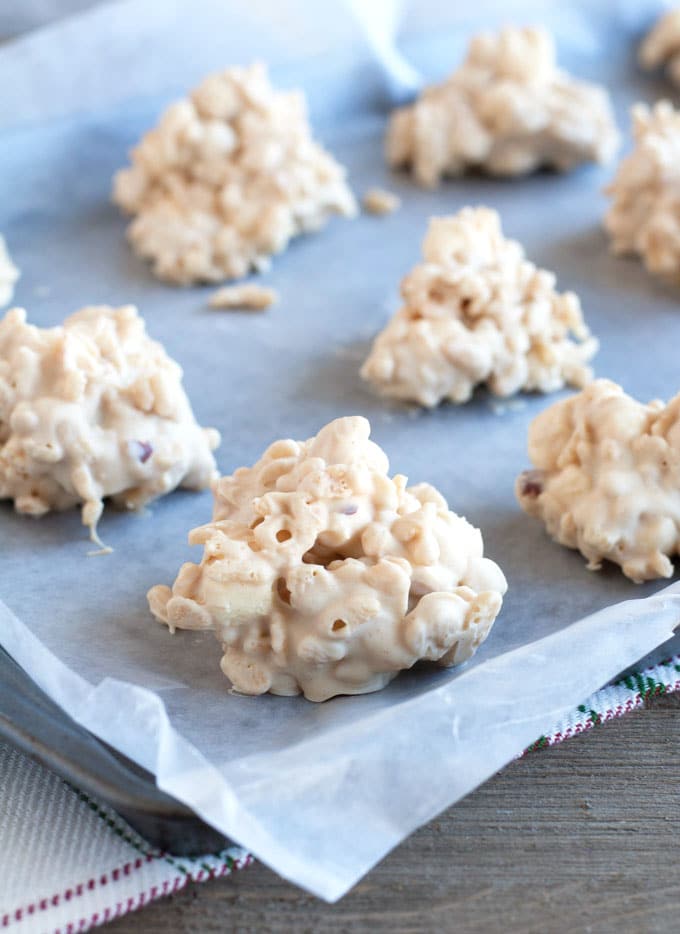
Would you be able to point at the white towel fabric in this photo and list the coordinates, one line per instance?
(68, 864)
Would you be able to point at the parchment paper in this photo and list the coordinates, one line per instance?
(321, 792)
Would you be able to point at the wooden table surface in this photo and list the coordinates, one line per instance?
(581, 837)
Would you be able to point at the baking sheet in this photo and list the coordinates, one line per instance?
(32, 723)
(321, 792)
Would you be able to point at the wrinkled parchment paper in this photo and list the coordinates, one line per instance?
(322, 792)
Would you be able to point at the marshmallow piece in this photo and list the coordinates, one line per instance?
(644, 217)
(605, 479)
(226, 179)
(94, 409)
(507, 110)
(322, 574)
(661, 46)
(476, 311)
(8, 274)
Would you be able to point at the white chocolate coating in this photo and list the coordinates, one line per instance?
(607, 479)
(322, 574)
(661, 46)
(228, 176)
(8, 275)
(476, 311)
(507, 110)
(94, 409)
(644, 217)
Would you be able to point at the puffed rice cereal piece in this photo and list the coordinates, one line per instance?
(661, 46)
(644, 217)
(507, 110)
(380, 201)
(322, 574)
(476, 311)
(606, 479)
(8, 274)
(249, 297)
(94, 409)
(230, 174)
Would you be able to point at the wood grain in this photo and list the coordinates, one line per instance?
(581, 837)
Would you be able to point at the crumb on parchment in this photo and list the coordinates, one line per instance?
(379, 201)
(248, 297)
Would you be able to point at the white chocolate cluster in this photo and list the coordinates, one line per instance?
(507, 110)
(607, 479)
(644, 217)
(94, 409)
(476, 311)
(8, 274)
(228, 176)
(322, 574)
(661, 46)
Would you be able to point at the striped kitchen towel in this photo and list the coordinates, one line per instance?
(68, 863)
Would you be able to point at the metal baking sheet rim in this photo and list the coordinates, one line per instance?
(30, 721)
